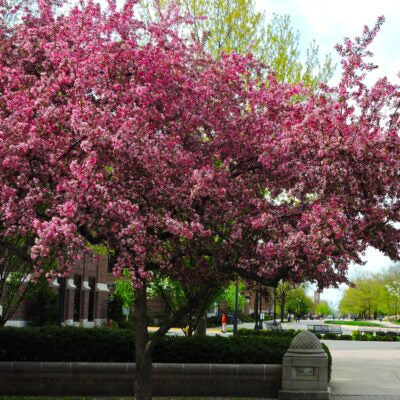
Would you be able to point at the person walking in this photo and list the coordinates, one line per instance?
(223, 321)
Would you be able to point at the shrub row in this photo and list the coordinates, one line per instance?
(103, 345)
(334, 336)
(328, 353)
(291, 333)
(221, 350)
(380, 337)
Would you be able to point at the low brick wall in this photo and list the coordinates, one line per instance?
(117, 379)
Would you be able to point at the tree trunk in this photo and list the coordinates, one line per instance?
(201, 329)
(283, 301)
(144, 345)
(142, 348)
(256, 309)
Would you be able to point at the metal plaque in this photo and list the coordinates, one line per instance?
(305, 371)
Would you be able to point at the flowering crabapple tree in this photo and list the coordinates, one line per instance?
(129, 135)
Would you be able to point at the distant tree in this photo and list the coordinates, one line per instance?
(124, 288)
(236, 25)
(392, 286)
(16, 267)
(42, 304)
(114, 308)
(298, 302)
(228, 295)
(281, 294)
(175, 295)
(322, 309)
(366, 298)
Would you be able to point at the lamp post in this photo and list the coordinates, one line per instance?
(298, 309)
(235, 314)
(274, 322)
(260, 314)
(256, 326)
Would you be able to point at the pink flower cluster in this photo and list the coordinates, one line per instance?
(117, 133)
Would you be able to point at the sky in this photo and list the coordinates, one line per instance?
(328, 22)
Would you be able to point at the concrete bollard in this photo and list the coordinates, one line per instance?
(305, 370)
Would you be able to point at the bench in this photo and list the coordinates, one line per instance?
(337, 329)
(318, 328)
(274, 327)
(322, 329)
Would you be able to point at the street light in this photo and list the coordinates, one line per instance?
(235, 314)
(260, 314)
(274, 322)
(256, 326)
(298, 301)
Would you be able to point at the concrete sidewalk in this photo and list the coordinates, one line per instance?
(366, 397)
(365, 370)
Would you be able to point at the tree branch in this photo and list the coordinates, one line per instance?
(179, 314)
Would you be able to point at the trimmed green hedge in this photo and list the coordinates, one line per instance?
(222, 350)
(291, 333)
(103, 345)
(328, 353)
(366, 337)
(66, 344)
(380, 337)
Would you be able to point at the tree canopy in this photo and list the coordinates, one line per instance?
(123, 133)
(322, 309)
(371, 296)
(184, 163)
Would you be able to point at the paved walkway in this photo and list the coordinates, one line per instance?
(365, 370)
(361, 370)
(347, 329)
(366, 397)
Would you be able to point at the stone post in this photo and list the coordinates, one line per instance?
(305, 370)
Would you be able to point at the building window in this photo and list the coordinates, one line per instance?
(112, 259)
(92, 285)
(77, 297)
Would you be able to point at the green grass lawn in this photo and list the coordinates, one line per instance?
(353, 323)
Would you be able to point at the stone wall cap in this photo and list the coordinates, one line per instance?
(306, 342)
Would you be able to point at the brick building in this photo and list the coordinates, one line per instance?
(82, 297)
